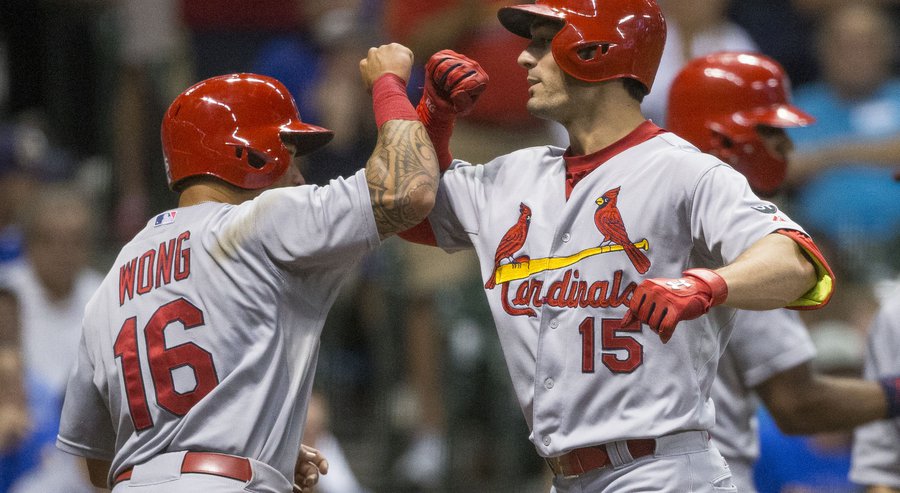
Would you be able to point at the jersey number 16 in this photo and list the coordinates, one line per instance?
(162, 362)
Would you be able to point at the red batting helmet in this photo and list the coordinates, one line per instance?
(600, 39)
(231, 127)
(716, 102)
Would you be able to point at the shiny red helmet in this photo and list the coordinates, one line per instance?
(717, 102)
(233, 127)
(600, 39)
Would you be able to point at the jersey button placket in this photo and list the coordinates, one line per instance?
(548, 383)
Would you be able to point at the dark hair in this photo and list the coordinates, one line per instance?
(635, 89)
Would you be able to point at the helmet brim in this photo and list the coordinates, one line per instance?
(781, 116)
(304, 137)
(517, 19)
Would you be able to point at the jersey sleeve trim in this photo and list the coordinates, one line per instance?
(820, 294)
(73, 448)
(365, 199)
(789, 359)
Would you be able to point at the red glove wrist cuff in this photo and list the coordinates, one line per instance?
(439, 126)
(717, 286)
(389, 100)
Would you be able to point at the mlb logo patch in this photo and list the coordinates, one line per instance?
(167, 217)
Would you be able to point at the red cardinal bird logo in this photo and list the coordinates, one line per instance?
(511, 243)
(609, 222)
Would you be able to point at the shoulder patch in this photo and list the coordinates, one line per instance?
(765, 208)
(167, 217)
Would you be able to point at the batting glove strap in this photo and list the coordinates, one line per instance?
(891, 387)
(438, 118)
(435, 110)
(718, 290)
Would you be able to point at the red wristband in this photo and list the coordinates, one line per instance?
(389, 100)
(714, 281)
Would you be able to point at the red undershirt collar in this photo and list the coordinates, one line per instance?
(577, 167)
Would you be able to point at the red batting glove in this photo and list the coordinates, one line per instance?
(453, 83)
(662, 303)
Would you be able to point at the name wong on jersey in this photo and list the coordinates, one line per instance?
(155, 267)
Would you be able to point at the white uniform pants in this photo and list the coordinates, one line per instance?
(683, 463)
(162, 474)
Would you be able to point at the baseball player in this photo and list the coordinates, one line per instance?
(593, 255)
(200, 347)
(876, 447)
(736, 107)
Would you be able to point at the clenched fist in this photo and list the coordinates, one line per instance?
(662, 303)
(453, 82)
(392, 58)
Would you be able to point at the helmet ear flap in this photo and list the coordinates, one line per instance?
(592, 52)
(255, 159)
(720, 144)
(764, 171)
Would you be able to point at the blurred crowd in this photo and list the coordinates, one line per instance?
(412, 392)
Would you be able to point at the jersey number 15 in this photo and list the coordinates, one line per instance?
(611, 340)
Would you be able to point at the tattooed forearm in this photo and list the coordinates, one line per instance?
(402, 175)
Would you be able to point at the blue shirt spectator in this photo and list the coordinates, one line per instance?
(799, 464)
(847, 193)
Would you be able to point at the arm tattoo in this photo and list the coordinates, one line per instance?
(402, 170)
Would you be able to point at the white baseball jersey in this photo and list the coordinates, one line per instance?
(561, 290)
(204, 336)
(762, 344)
(876, 446)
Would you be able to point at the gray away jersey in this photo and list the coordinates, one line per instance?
(762, 344)
(204, 336)
(876, 446)
(582, 378)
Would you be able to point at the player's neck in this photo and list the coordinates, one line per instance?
(589, 135)
(214, 192)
